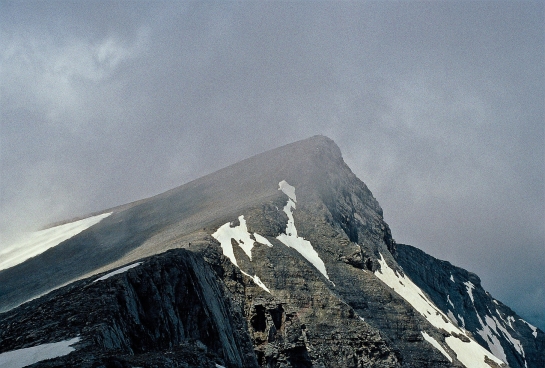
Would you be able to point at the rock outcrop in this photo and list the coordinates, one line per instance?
(172, 308)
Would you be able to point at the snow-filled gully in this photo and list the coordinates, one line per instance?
(290, 237)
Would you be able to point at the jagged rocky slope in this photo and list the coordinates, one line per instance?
(280, 260)
(459, 294)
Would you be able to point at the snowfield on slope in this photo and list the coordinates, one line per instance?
(35, 243)
(27, 356)
(471, 354)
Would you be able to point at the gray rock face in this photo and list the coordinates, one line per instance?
(173, 303)
(311, 297)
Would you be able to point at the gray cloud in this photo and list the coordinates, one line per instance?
(438, 107)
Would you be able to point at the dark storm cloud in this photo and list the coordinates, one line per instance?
(438, 107)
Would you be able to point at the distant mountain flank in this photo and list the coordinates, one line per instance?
(281, 260)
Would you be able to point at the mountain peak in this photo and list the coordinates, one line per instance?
(286, 252)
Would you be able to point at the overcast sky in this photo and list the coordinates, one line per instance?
(437, 106)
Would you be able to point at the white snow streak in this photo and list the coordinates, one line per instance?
(451, 278)
(35, 243)
(461, 319)
(243, 238)
(471, 354)
(27, 356)
(116, 272)
(493, 321)
(257, 281)
(436, 345)
(510, 319)
(414, 295)
(292, 240)
(450, 302)
(469, 288)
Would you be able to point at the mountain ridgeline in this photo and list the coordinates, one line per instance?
(281, 260)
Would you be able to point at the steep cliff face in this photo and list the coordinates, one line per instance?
(281, 260)
(172, 304)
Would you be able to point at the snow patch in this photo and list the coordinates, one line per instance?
(262, 240)
(240, 234)
(116, 272)
(35, 243)
(510, 320)
(414, 296)
(27, 356)
(451, 278)
(287, 190)
(292, 240)
(436, 345)
(491, 328)
(488, 334)
(494, 344)
(532, 327)
(471, 354)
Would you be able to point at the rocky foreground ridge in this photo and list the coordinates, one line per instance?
(281, 260)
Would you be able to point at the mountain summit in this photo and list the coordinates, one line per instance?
(280, 260)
